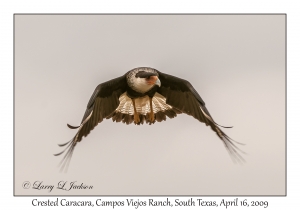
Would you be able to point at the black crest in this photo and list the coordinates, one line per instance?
(144, 74)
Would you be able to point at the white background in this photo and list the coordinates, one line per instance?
(74, 7)
(235, 62)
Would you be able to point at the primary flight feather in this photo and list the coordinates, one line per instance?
(144, 95)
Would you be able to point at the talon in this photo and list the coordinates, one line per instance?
(136, 118)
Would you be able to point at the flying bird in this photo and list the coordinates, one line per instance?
(144, 95)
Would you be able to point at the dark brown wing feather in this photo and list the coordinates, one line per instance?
(102, 104)
(181, 95)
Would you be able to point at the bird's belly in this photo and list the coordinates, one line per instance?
(142, 104)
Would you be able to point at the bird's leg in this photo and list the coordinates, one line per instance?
(136, 116)
(151, 118)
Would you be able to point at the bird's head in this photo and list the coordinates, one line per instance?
(143, 79)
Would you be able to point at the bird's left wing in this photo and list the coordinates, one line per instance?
(101, 105)
(181, 95)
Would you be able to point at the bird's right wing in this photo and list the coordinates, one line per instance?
(103, 102)
(180, 94)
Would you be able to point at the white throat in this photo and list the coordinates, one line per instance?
(140, 85)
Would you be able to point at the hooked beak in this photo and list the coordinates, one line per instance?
(158, 82)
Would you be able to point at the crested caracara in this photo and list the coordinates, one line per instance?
(144, 95)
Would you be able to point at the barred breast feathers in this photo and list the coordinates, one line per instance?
(142, 104)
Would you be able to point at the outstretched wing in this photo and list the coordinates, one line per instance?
(180, 94)
(101, 105)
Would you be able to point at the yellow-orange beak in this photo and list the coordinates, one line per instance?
(153, 80)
